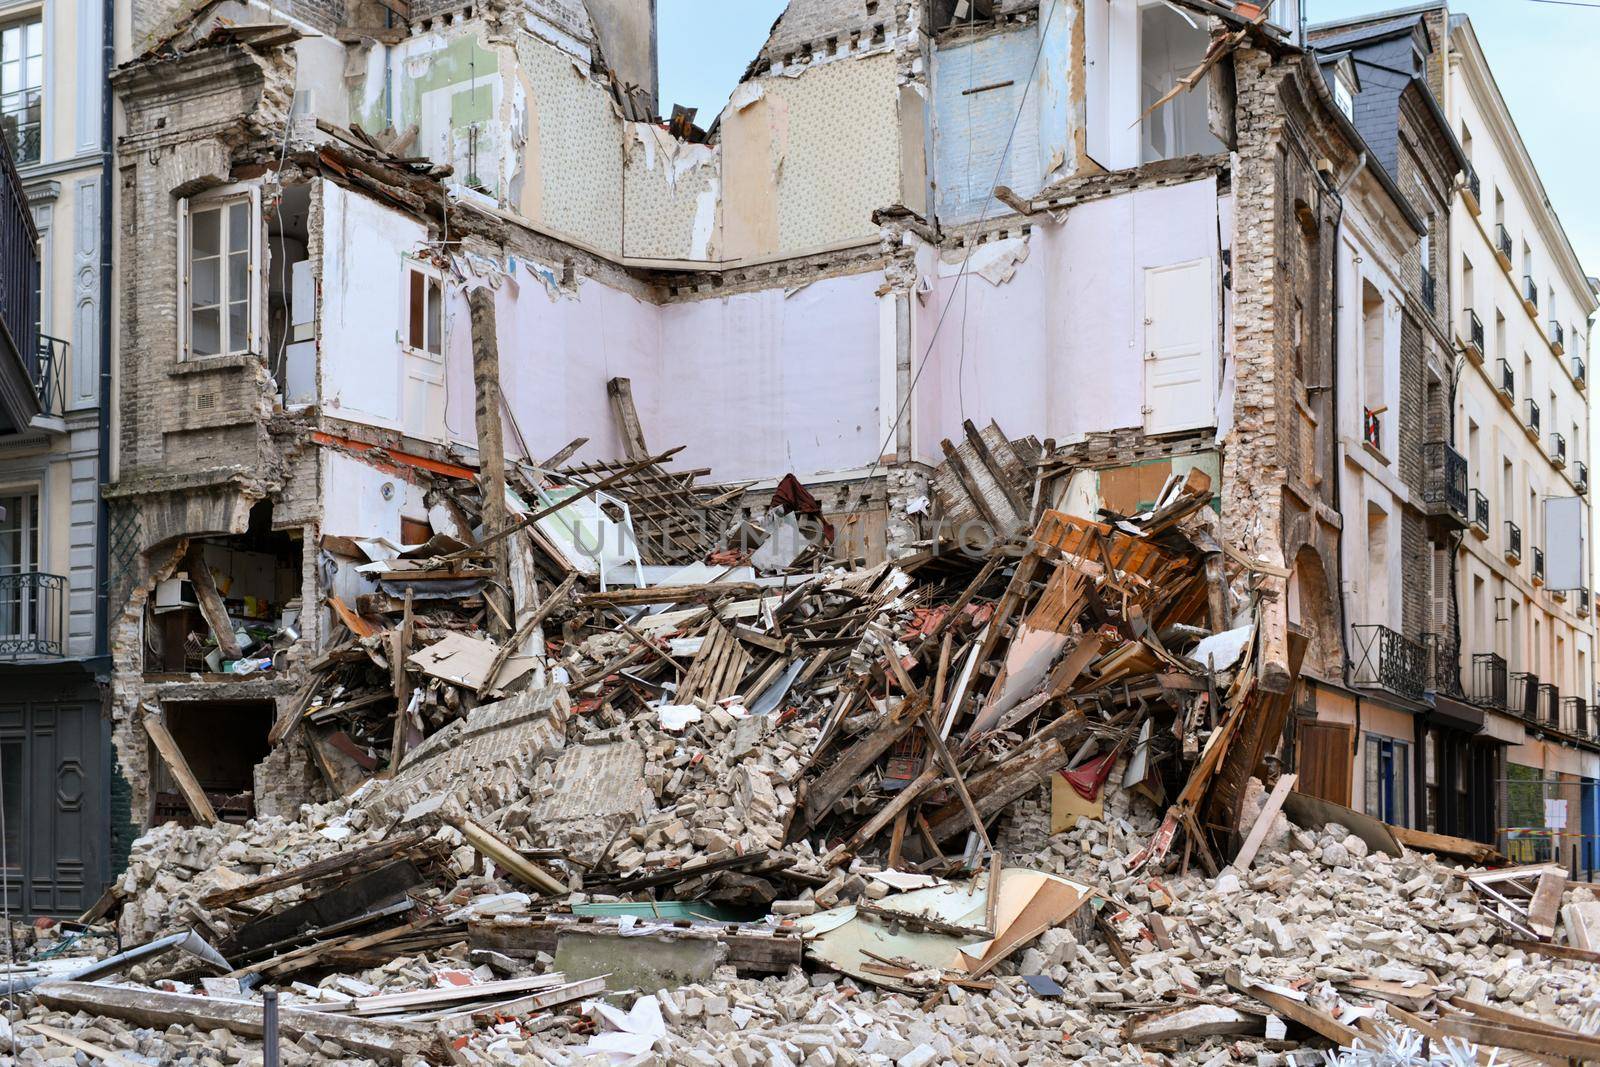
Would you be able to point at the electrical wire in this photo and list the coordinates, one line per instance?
(961, 275)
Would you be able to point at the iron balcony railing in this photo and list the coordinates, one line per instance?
(1574, 712)
(1591, 722)
(1430, 290)
(1513, 539)
(1584, 603)
(1372, 428)
(49, 378)
(1524, 695)
(1508, 380)
(1472, 184)
(1548, 709)
(1538, 563)
(1530, 291)
(1502, 241)
(32, 614)
(1558, 336)
(1581, 480)
(1445, 479)
(1558, 449)
(1474, 330)
(19, 266)
(1580, 371)
(1490, 687)
(1444, 664)
(1480, 511)
(1533, 415)
(1389, 660)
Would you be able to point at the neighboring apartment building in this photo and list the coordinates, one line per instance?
(1148, 292)
(1521, 307)
(53, 737)
(1406, 734)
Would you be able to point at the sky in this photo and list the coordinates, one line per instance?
(1553, 92)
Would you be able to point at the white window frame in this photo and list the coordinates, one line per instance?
(21, 17)
(434, 277)
(221, 197)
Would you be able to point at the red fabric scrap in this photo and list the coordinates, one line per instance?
(1089, 778)
(793, 497)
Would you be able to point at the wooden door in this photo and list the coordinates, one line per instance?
(1324, 759)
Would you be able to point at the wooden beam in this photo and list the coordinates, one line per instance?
(507, 858)
(620, 390)
(556, 598)
(1263, 826)
(211, 605)
(491, 450)
(1301, 1012)
(342, 863)
(386, 1041)
(155, 725)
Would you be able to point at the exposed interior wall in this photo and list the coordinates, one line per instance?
(1058, 348)
(978, 106)
(808, 157)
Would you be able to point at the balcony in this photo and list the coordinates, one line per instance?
(1472, 331)
(1538, 565)
(1444, 485)
(1388, 660)
(1574, 715)
(1502, 245)
(1490, 688)
(1480, 515)
(1580, 374)
(1558, 337)
(1584, 604)
(1508, 383)
(1530, 294)
(1513, 543)
(1580, 479)
(19, 302)
(1471, 189)
(1558, 450)
(1444, 664)
(1372, 428)
(1547, 707)
(1524, 695)
(1530, 418)
(1430, 291)
(32, 615)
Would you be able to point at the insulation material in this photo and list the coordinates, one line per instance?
(1059, 347)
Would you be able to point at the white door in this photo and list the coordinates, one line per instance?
(424, 396)
(1179, 367)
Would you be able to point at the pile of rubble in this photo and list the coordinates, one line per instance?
(747, 803)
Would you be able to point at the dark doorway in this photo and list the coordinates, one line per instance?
(222, 741)
(54, 797)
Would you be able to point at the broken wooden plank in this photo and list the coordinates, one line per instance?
(342, 863)
(1263, 826)
(507, 858)
(386, 1041)
(61, 1037)
(1190, 1023)
(1298, 1010)
(1546, 903)
(620, 390)
(211, 605)
(155, 726)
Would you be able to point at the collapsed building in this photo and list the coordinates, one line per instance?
(310, 199)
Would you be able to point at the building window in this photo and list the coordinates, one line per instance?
(1344, 98)
(1171, 46)
(22, 87)
(1388, 779)
(19, 555)
(219, 279)
(425, 312)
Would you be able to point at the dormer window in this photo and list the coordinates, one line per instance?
(1344, 97)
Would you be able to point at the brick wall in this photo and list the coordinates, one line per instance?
(1409, 423)
(1416, 558)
